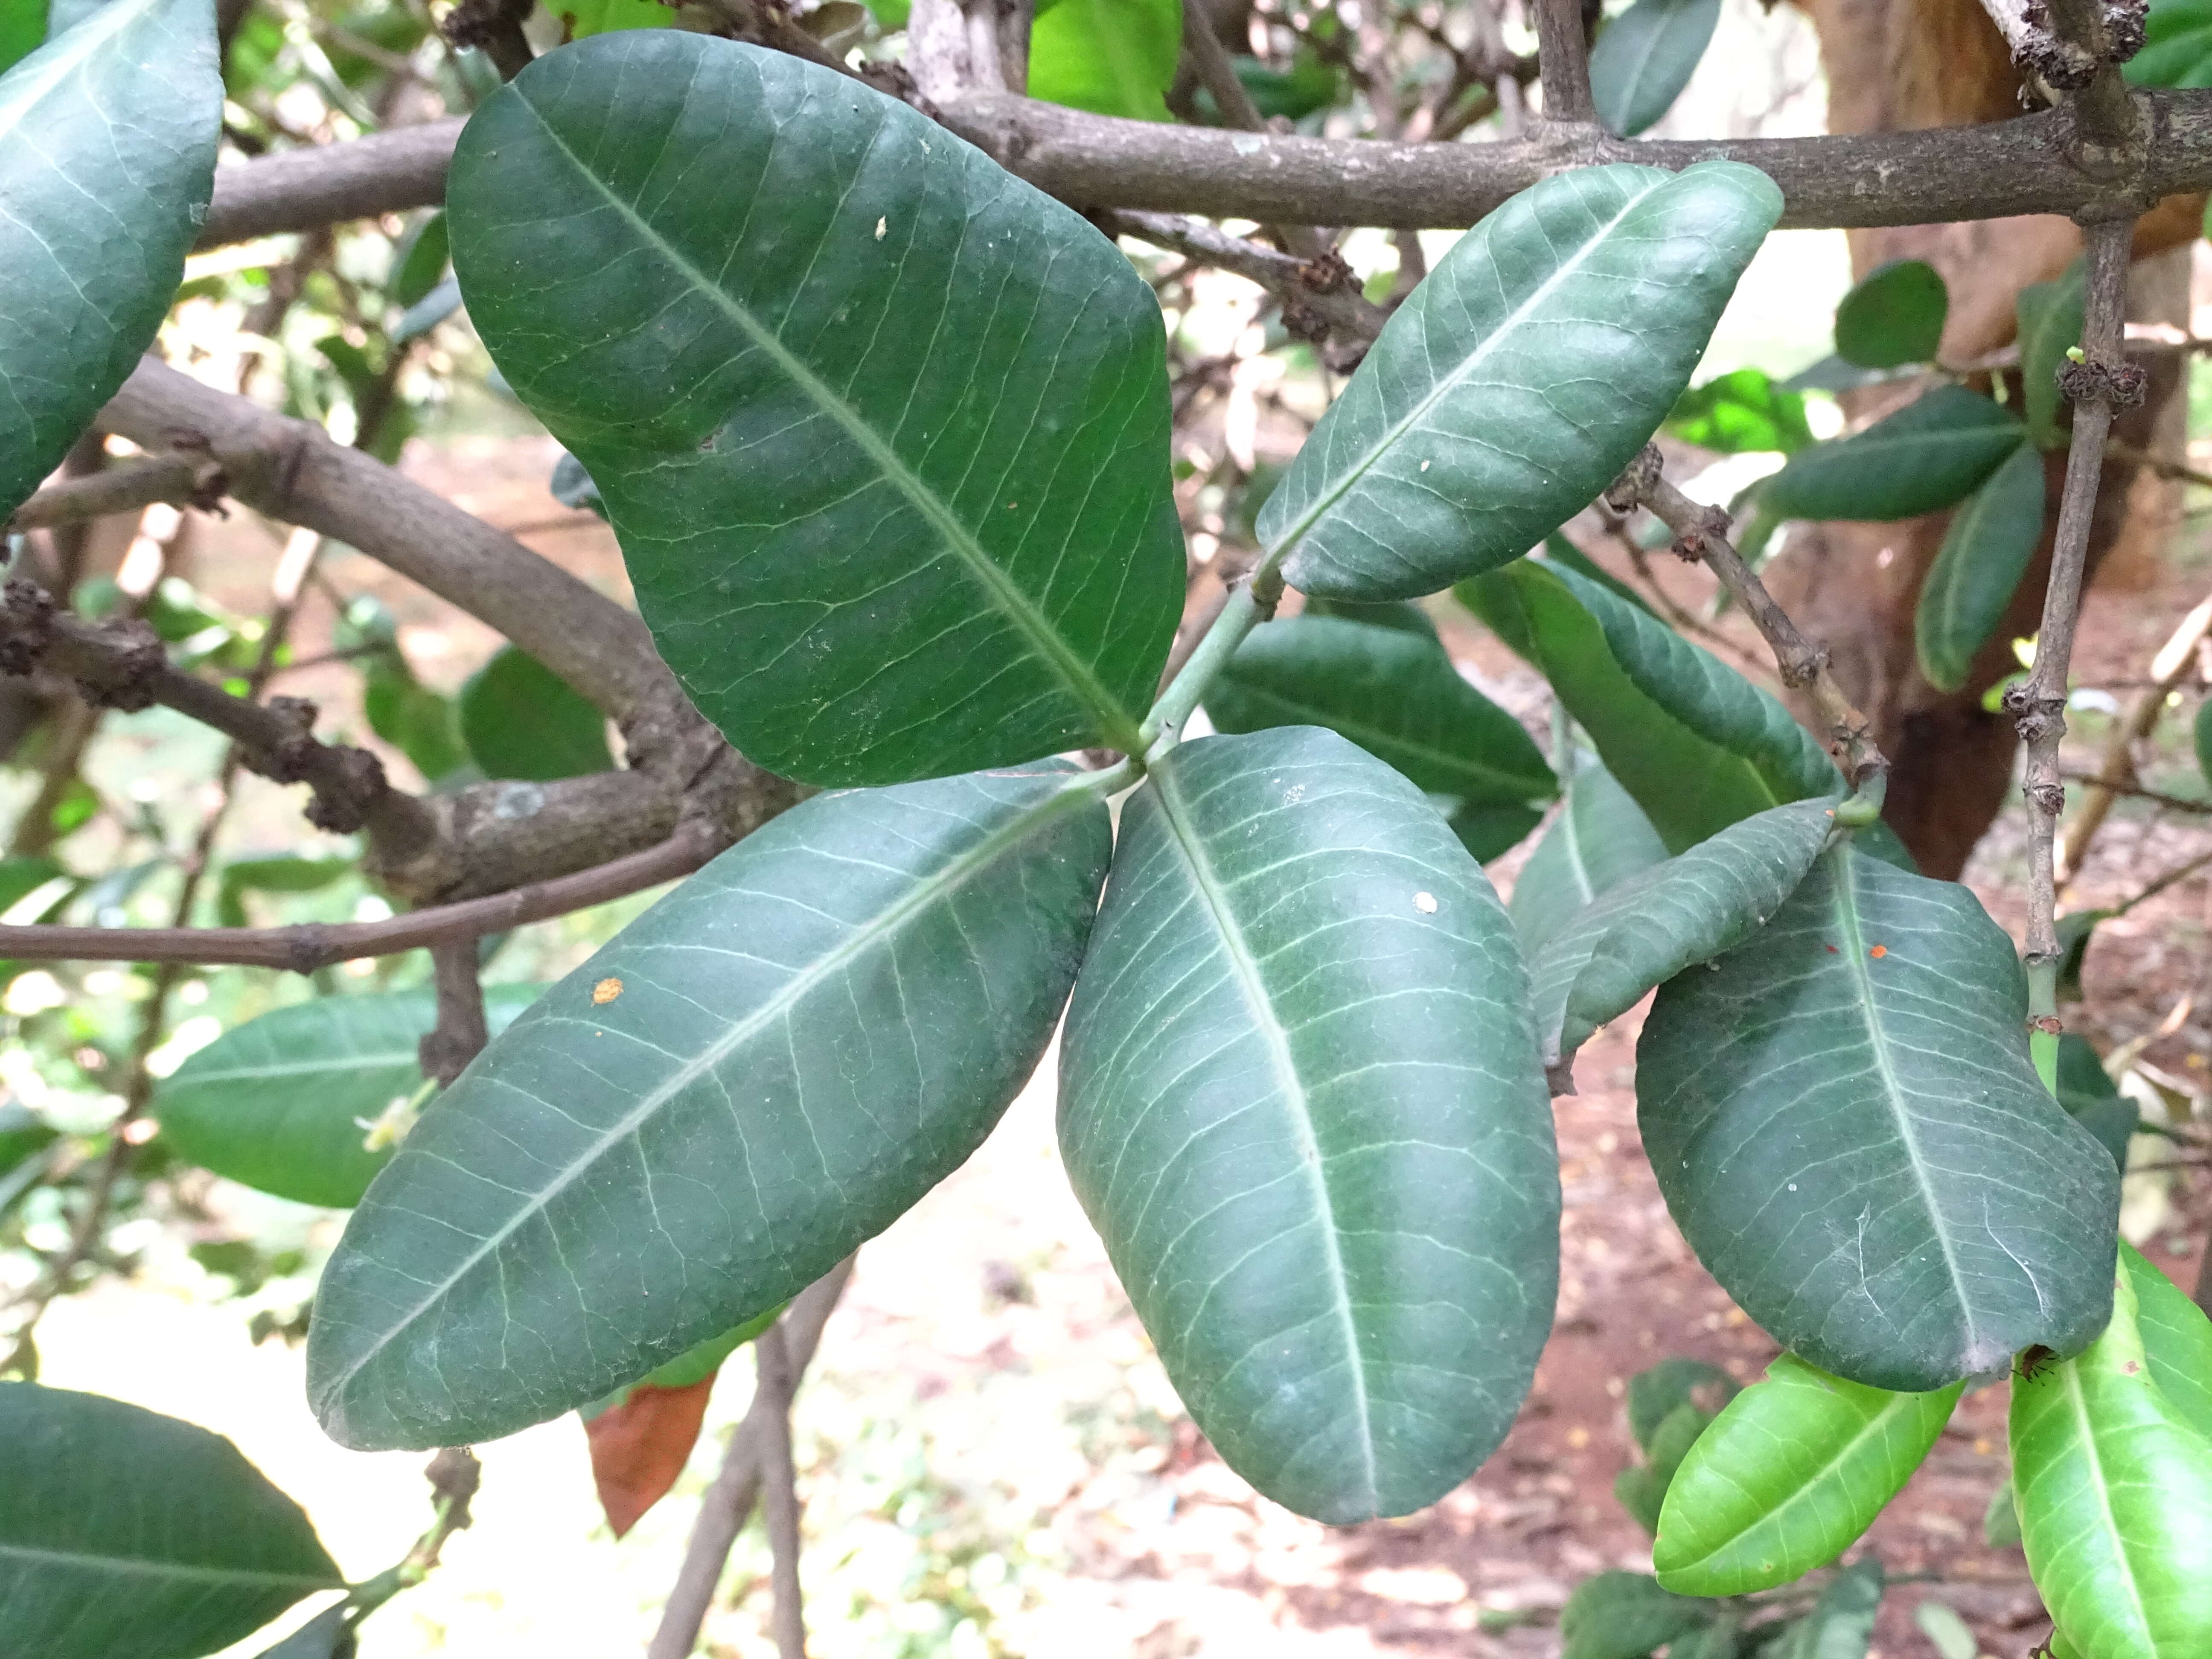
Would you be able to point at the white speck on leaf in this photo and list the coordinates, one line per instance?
(1425, 903)
(881, 225)
(1424, 466)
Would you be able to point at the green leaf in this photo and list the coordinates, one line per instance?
(1310, 84)
(1841, 1624)
(580, 19)
(2177, 1340)
(1487, 830)
(1645, 57)
(1625, 1616)
(413, 719)
(1559, 550)
(107, 142)
(1600, 838)
(1740, 412)
(2093, 1100)
(1401, 614)
(1892, 316)
(2001, 1520)
(125, 1532)
(1945, 1630)
(2201, 733)
(1516, 381)
(282, 1102)
(22, 30)
(1657, 1392)
(911, 513)
(1299, 1102)
(19, 878)
(520, 720)
(1985, 553)
(2176, 50)
(2051, 316)
(1109, 57)
(1929, 454)
(22, 1133)
(328, 1635)
(572, 486)
(422, 265)
(280, 873)
(1643, 1490)
(693, 1366)
(2114, 1484)
(1667, 918)
(1394, 693)
(1789, 1476)
(713, 1110)
(1856, 1146)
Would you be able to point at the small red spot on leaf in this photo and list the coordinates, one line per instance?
(1879, 951)
(1830, 949)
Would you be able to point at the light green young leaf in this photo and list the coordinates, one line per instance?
(520, 720)
(1109, 57)
(1929, 454)
(1740, 412)
(910, 513)
(1600, 838)
(2177, 1340)
(1948, 1633)
(1520, 376)
(1985, 553)
(1645, 57)
(2050, 327)
(580, 19)
(1299, 1101)
(1892, 316)
(1789, 1476)
(1625, 1616)
(713, 1110)
(2178, 46)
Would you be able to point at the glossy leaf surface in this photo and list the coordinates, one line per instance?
(1645, 57)
(107, 142)
(1600, 838)
(1625, 1616)
(1110, 57)
(2177, 1340)
(1742, 412)
(1300, 1102)
(1985, 552)
(714, 1110)
(1842, 1118)
(908, 513)
(1788, 1477)
(1518, 379)
(1929, 454)
(125, 1532)
(1892, 316)
(520, 720)
(2051, 316)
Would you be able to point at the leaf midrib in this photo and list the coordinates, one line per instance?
(150, 1566)
(2077, 1406)
(97, 30)
(1043, 639)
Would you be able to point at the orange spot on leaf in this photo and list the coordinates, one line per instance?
(606, 990)
(1879, 951)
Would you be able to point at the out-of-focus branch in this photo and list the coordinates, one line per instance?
(1563, 62)
(179, 477)
(1325, 291)
(2116, 770)
(779, 1484)
(302, 188)
(461, 1032)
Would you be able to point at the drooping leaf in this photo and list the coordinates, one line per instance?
(1299, 1102)
(1643, 1490)
(2177, 1340)
(520, 720)
(281, 872)
(2001, 1520)
(1985, 553)
(2093, 1100)
(2114, 1484)
(1396, 694)
(283, 1103)
(1667, 918)
(2051, 316)
(1109, 57)
(910, 514)
(1892, 316)
(1740, 412)
(1600, 838)
(1845, 1125)
(1559, 550)
(1657, 1392)
(714, 1110)
(1789, 1477)
(1625, 1616)
(107, 142)
(2177, 46)
(1841, 1623)
(125, 1532)
(1927, 456)
(1536, 359)
(1639, 65)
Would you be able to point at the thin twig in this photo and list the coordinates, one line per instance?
(180, 477)
(2175, 472)
(1324, 288)
(460, 1032)
(2103, 786)
(1563, 61)
(2117, 769)
(780, 1490)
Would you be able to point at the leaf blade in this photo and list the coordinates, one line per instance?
(1645, 57)
(1931, 453)
(1600, 840)
(1892, 316)
(1985, 552)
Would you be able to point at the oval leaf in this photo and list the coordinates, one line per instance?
(1788, 1476)
(1518, 379)
(1844, 1120)
(107, 142)
(520, 720)
(1600, 838)
(1929, 455)
(1299, 1101)
(1645, 57)
(909, 513)
(1394, 693)
(1985, 554)
(125, 1532)
(1892, 316)
(2050, 316)
(715, 1109)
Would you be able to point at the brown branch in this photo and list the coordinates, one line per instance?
(1324, 289)
(179, 477)
(779, 1481)
(461, 1032)
(1563, 61)
(319, 184)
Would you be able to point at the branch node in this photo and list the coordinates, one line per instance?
(1625, 492)
(1327, 272)
(126, 672)
(26, 623)
(2116, 386)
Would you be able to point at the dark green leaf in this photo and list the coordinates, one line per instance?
(423, 264)
(1833, 374)
(1657, 1392)
(1985, 553)
(2075, 928)
(418, 319)
(910, 515)
(328, 1635)
(1400, 615)
(19, 878)
(1841, 1624)
(1600, 838)
(1310, 84)
(1299, 1102)
(2178, 46)
(22, 1133)
(2049, 327)
(413, 719)
(1645, 57)
(107, 140)
(1109, 57)
(1927, 456)
(1668, 918)
(1740, 412)
(2177, 1341)
(1625, 1616)
(713, 1110)
(1394, 693)
(1559, 550)
(1518, 379)
(2202, 732)
(1643, 1490)
(1844, 1120)
(1487, 830)
(283, 1103)
(572, 487)
(1892, 316)
(1789, 1477)
(2091, 1098)
(123, 1532)
(520, 720)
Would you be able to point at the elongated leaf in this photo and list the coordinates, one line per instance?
(2114, 1486)
(2091, 1098)
(1518, 379)
(125, 1532)
(1892, 316)
(1300, 1103)
(1740, 411)
(1394, 693)
(1600, 838)
(2177, 1341)
(1985, 553)
(1841, 1623)
(1646, 56)
(1845, 1122)
(1669, 917)
(1625, 1616)
(1931, 453)
(282, 1103)
(107, 142)
(520, 720)
(1789, 1476)
(640, 1445)
(1643, 1490)
(768, 1066)
(908, 513)
(2050, 327)
(1110, 57)
(1402, 615)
